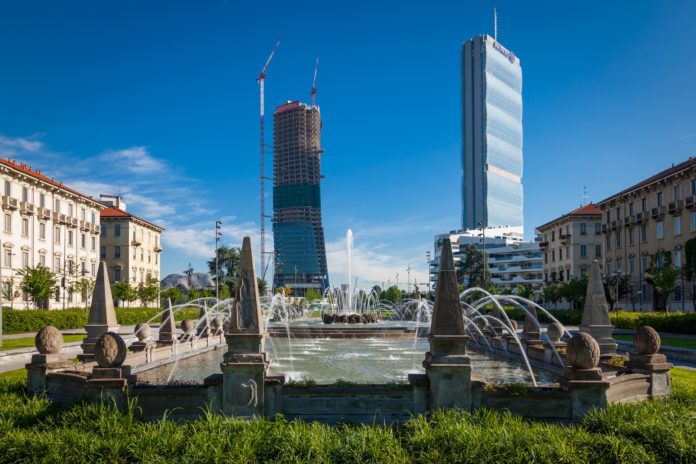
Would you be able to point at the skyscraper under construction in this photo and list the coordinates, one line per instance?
(298, 235)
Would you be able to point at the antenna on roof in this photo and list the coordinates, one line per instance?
(495, 24)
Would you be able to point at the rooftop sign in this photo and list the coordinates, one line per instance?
(288, 106)
(504, 51)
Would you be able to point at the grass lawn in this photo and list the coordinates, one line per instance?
(666, 341)
(656, 431)
(19, 374)
(29, 342)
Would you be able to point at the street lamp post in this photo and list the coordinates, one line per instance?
(218, 234)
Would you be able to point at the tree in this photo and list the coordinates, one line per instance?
(551, 294)
(524, 291)
(313, 295)
(574, 292)
(174, 294)
(224, 292)
(470, 269)
(193, 294)
(148, 291)
(663, 278)
(39, 283)
(228, 267)
(85, 287)
(615, 288)
(392, 294)
(689, 267)
(8, 293)
(377, 290)
(124, 292)
(263, 286)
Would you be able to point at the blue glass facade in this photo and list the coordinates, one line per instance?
(492, 193)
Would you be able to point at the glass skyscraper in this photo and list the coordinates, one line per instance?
(298, 235)
(492, 194)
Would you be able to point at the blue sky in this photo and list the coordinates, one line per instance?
(157, 100)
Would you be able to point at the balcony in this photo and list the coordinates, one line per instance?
(604, 228)
(543, 244)
(59, 218)
(73, 221)
(9, 203)
(26, 208)
(85, 226)
(614, 225)
(43, 213)
(96, 229)
(565, 239)
(135, 242)
(158, 249)
(627, 220)
(675, 206)
(640, 217)
(689, 201)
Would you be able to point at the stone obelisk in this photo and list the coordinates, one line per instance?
(102, 316)
(447, 365)
(244, 365)
(595, 314)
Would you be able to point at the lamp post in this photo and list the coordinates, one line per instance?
(218, 234)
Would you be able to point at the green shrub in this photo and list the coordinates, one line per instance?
(22, 321)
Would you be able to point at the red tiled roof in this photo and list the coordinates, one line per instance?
(586, 210)
(37, 174)
(667, 172)
(112, 212)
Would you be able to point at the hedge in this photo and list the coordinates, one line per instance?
(22, 321)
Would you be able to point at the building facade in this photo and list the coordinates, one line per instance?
(130, 246)
(648, 225)
(298, 234)
(492, 193)
(570, 243)
(509, 260)
(46, 223)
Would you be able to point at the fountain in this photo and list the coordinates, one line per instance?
(564, 375)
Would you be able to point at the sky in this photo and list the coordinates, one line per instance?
(158, 101)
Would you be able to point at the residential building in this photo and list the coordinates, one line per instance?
(648, 224)
(130, 245)
(510, 260)
(570, 243)
(45, 223)
(298, 234)
(492, 193)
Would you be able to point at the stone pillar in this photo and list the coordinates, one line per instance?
(447, 366)
(530, 330)
(646, 360)
(582, 377)
(244, 365)
(167, 330)
(49, 342)
(595, 314)
(102, 316)
(109, 381)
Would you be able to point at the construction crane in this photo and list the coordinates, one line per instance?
(314, 83)
(260, 80)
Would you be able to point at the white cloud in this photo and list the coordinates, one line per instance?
(20, 144)
(135, 159)
(199, 239)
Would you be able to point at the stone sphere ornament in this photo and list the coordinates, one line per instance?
(187, 325)
(513, 326)
(49, 340)
(582, 351)
(142, 331)
(646, 340)
(555, 332)
(217, 322)
(110, 350)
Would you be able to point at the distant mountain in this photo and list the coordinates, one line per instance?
(198, 280)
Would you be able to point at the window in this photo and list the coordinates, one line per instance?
(94, 218)
(644, 233)
(117, 230)
(83, 214)
(660, 198)
(57, 205)
(583, 228)
(42, 200)
(42, 230)
(83, 240)
(618, 239)
(608, 216)
(25, 227)
(660, 261)
(618, 213)
(8, 258)
(94, 270)
(644, 263)
(693, 187)
(70, 209)
(677, 258)
(677, 225)
(42, 260)
(560, 254)
(102, 252)
(553, 256)
(117, 251)
(598, 251)
(631, 264)
(25, 259)
(608, 269)
(134, 235)
(25, 194)
(553, 235)
(102, 230)
(8, 188)
(546, 258)
(676, 192)
(8, 222)
(70, 237)
(597, 228)
(608, 242)
(56, 264)
(149, 256)
(156, 258)
(117, 274)
(142, 255)
(660, 231)
(630, 209)
(583, 251)
(94, 243)
(644, 204)
(693, 222)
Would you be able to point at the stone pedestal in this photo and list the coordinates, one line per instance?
(588, 390)
(657, 367)
(448, 369)
(108, 385)
(243, 372)
(39, 366)
(102, 316)
(139, 346)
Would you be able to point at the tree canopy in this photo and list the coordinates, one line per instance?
(39, 283)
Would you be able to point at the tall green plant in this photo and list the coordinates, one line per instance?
(39, 283)
(84, 287)
(663, 280)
